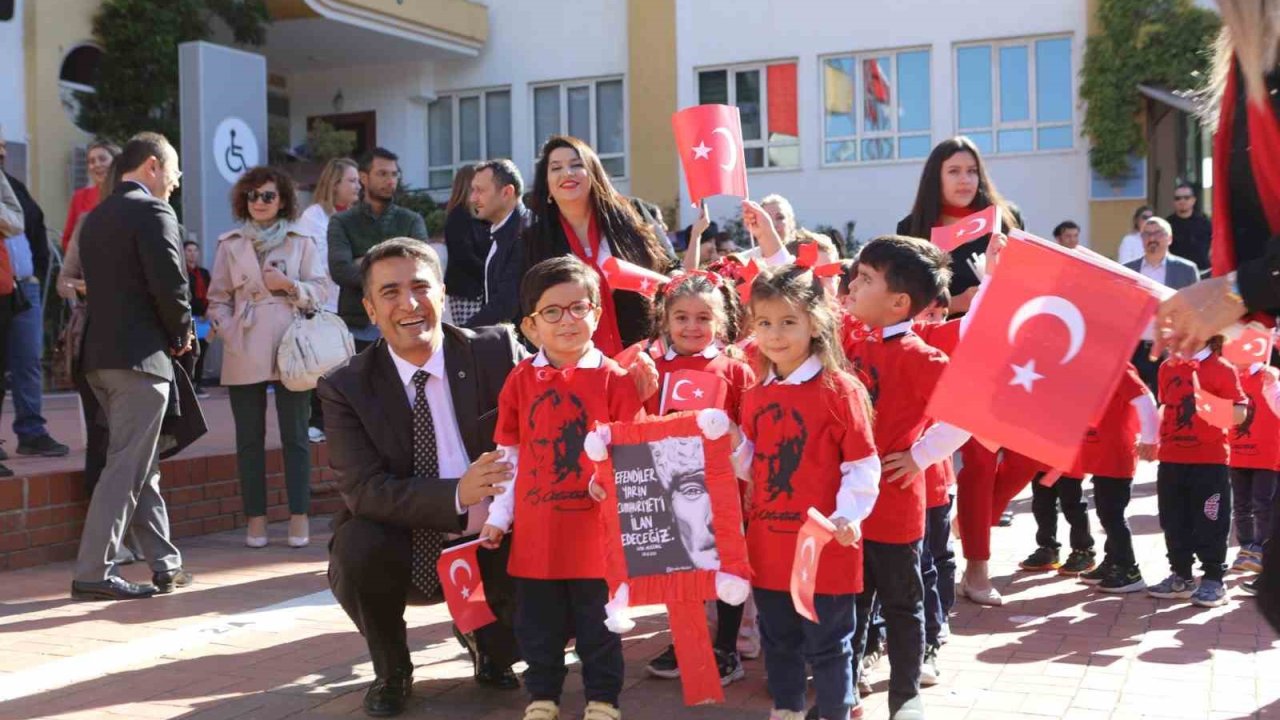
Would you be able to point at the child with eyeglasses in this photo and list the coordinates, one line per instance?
(546, 408)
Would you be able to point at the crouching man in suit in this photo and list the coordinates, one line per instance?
(410, 424)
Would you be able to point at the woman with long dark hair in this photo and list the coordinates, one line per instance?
(953, 185)
(578, 211)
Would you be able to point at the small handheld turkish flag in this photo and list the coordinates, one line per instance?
(950, 237)
(1217, 411)
(709, 140)
(1253, 345)
(692, 390)
(814, 535)
(459, 572)
(623, 275)
(1043, 352)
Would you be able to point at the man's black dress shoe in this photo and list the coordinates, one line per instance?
(113, 588)
(169, 580)
(489, 674)
(388, 696)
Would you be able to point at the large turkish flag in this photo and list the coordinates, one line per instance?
(1043, 351)
(709, 140)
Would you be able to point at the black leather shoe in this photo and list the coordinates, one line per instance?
(168, 581)
(388, 696)
(489, 674)
(113, 588)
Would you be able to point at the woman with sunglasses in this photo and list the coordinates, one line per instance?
(264, 273)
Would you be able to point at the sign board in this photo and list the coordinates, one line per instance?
(223, 93)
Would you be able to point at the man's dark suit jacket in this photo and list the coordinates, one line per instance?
(1179, 272)
(505, 271)
(136, 283)
(369, 426)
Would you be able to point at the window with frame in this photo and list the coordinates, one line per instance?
(463, 128)
(1016, 95)
(876, 106)
(765, 95)
(591, 110)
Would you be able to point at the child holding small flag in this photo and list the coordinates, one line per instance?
(698, 316)
(805, 442)
(546, 408)
(1192, 485)
(897, 278)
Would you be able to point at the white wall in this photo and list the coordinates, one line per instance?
(13, 91)
(1048, 187)
(536, 41)
(395, 92)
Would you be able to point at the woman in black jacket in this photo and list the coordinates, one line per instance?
(577, 210)
(953, 185)
(467, 242)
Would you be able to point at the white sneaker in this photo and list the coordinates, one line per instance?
(315, 435)
(748, 643)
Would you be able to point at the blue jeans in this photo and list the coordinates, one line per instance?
(938, 571)
(790, 641)
(26, 346)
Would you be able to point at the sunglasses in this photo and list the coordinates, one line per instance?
(267, 197)
(554, 313)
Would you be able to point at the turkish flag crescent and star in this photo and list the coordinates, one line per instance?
(1253, 345)
(1217, 411)
(692, 390)
(814, 535)
(1043, 351)
(950, 237)
(709, 140)
(459, 573)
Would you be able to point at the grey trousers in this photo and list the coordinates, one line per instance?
(128, 491)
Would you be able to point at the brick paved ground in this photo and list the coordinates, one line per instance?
(260, 637)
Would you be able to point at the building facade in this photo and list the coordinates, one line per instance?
(841, 102)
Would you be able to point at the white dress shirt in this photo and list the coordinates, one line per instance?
(493, 248)
(1158, 273)
(452, 453)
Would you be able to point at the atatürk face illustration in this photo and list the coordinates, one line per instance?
(691, 506)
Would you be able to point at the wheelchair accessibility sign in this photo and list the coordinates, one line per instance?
(235, 149)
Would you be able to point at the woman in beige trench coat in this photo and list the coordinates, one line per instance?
(265, 273)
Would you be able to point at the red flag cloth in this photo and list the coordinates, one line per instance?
(1217, 411)
(699, 675)
(1050, 478)
(1264, 160)
(1253, 345)
(749, 273)
(623, 275)
(1043, 352)
(813, 537)
(709, 140)
(783, 107)
(692, 390)
(950, 237)
(459, 572)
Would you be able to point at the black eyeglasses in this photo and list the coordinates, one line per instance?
(1183, 197)
(267, 196)
(555, 313)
